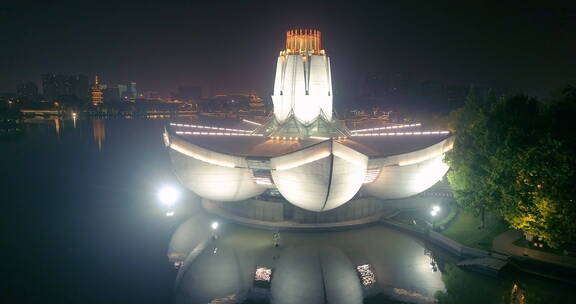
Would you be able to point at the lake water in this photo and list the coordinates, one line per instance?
(81, 223)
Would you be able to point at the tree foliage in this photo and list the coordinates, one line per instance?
(515, 156)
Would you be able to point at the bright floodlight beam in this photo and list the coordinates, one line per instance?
(214, 225)
(435, 210)
(168, 195)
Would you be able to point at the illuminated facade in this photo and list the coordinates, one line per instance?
(303, 85)
(302, 152)
(97, 96)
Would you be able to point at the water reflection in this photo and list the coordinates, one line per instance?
(99, 132)
(57, 126)
(328, 267)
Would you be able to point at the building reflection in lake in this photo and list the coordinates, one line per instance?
(57, 126)
(99, 132)
(328, 267)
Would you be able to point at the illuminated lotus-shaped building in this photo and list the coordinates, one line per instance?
(302, 152)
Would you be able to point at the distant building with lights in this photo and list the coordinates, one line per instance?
(27, 91)
(303, 164)
(55, 86)
(97, 95)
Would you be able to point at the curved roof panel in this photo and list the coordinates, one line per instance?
(212, 175)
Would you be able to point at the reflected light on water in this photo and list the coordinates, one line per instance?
(367, 276)
(414, 296)
(57, 126)
(99, 132)
(263, 274)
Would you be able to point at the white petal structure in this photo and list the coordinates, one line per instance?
(212, 175)
(303, 84)
(312, 159)
(408, 174)
(317, 178)
(321, 177)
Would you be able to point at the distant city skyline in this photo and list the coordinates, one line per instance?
(226, 47)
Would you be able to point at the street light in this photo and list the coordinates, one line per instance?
(168, 195)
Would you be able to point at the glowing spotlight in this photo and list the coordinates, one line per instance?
(436, 208)
(168, 195)
(214, 225)
(171, 213)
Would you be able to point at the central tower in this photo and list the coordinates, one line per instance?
(303, 85)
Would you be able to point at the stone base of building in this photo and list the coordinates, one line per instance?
(281, 215)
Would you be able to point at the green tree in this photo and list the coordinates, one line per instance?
(512, 156)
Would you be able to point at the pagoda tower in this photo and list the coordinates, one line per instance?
(97, 93)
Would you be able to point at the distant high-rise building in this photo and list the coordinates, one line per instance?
(81, 87)
(27, 91)
(54, 86)
(122, 90)
(96, 93)
(132, 92)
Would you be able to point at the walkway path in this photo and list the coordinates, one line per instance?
(505, 243)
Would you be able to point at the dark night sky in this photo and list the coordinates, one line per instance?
(232, 45)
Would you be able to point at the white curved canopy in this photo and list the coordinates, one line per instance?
(321, 177)
(212, 175)
(317, 178)
(303, 85)
(408, 174)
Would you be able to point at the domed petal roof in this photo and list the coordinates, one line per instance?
(321, 177)
(212, 175)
